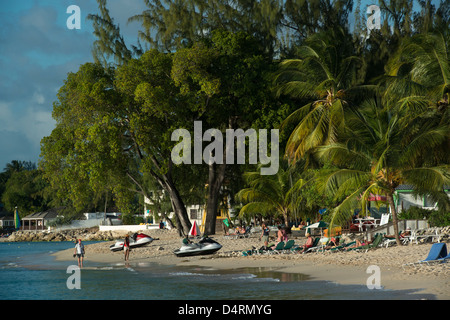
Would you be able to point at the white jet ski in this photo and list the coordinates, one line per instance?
(204, 246)
(136, 240)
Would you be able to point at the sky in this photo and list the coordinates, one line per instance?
(37, 51)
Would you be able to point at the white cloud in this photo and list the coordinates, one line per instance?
(38, 98)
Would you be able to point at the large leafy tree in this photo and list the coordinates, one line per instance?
(112, 129)
(229, 77)
(26, 190)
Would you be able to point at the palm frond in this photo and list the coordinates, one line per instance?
(428, 179)
(341, 214)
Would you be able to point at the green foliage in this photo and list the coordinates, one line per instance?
(361, 114)
(326, 76)
(24, 188)
(128, 219)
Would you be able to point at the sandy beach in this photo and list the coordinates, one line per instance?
(340, 267)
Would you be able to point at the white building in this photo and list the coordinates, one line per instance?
(404, 198)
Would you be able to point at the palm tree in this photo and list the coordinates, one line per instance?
(326, 78)
(419, 72)
(377, 154)
(270, 195)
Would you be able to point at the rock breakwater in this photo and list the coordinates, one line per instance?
(91, 234)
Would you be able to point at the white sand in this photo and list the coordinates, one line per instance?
(340, 267)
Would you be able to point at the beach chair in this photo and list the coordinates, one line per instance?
(314, 246)
(278, 249)
(246, 234)
(444, 259)
(340, 247)
(420, 235)
(437, 251)
(288, 247)
(376, 242)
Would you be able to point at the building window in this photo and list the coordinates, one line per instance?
(428, 202)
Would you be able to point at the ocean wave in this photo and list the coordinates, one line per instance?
(244, 277)
(182, 273)
(254, 278)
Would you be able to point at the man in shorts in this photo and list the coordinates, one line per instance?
(79, 252)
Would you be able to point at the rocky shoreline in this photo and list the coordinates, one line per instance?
(85, 234)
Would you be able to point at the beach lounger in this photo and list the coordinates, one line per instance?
(314, 246)
(342, 246)
(437, 251)
(246, 234)
(420, 235)
(444, 259)
(278, 249)
(376, 242)
(288, 247)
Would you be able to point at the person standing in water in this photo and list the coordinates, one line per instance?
(126, 247)
(79, 252)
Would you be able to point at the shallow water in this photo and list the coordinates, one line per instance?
(28, 271)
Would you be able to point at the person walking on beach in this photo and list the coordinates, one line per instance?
(265, 235)
(79, 252)
(126, 247)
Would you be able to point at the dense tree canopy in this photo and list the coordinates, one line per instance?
(362, 110)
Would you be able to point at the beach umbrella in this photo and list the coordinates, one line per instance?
(195, 230)
(16, 219)
(320, 224)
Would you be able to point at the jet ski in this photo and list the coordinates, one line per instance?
(205, 246)
(136, 240)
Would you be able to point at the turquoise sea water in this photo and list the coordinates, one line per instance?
(28, 271)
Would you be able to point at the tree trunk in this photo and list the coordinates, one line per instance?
(390, 199)
(215, 180)
(183, 222)
(286, 219)
(182, 219)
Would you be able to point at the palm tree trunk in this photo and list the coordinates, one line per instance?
(286, 219)
(390, 199)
